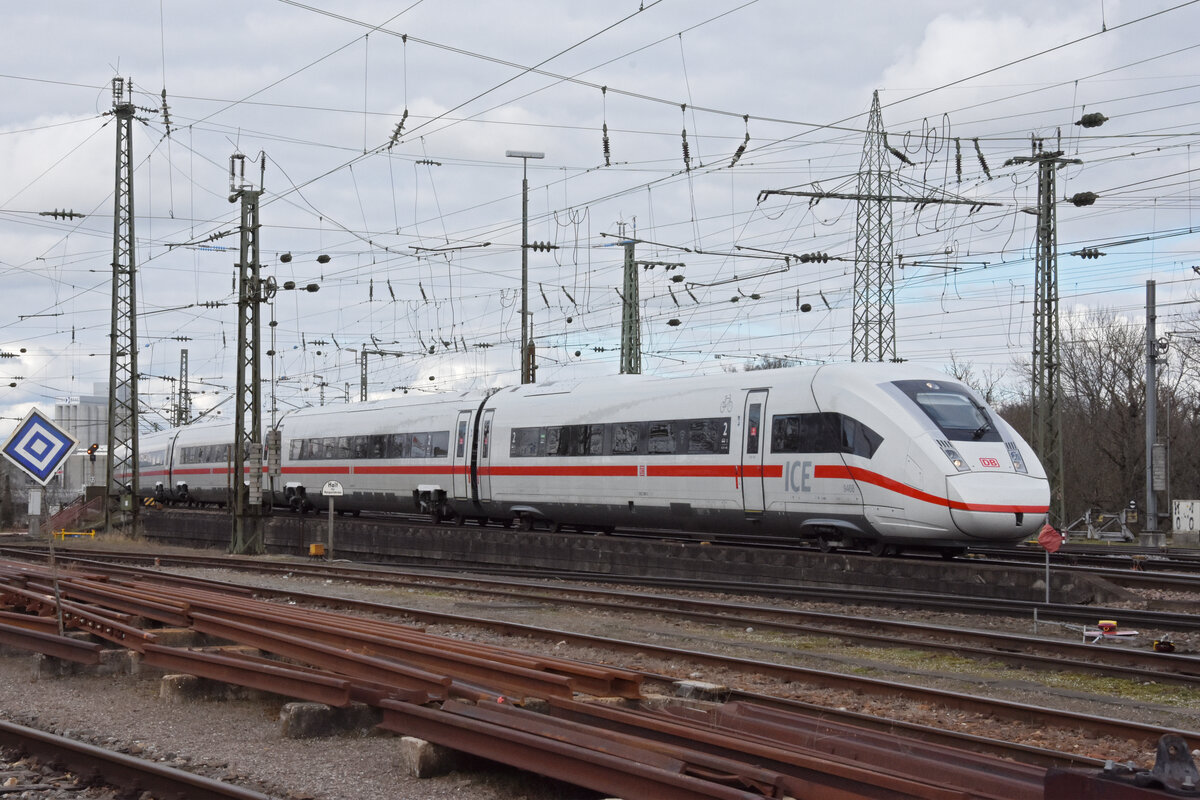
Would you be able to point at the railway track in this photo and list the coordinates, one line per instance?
(1082, 656)
(1078, 615)
(76, 769)
(458, 694)
(958, 702)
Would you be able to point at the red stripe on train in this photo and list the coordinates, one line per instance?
(874, 478)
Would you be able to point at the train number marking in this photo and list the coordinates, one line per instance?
(989, 462)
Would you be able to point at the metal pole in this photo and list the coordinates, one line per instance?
(525, 378)
(1151, 525)
(246, 475)
(329, 547)
(1047, 586)
(526, 360)
(121, 466)
(631, 339)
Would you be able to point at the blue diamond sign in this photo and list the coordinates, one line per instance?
(39, 447)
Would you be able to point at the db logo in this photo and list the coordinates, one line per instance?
(989, 462)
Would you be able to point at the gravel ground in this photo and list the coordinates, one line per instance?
(241, 740)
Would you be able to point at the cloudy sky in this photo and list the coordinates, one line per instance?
(381, 130)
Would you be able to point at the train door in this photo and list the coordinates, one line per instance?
(753, 447)
(485, 456)
(460, 459)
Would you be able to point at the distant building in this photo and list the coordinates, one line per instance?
(86, 418)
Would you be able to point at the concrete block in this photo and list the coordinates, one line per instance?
(117, 662)
(181, 688)
(48, 667)
(419, 758)
(701, 690)
(184, 688)
(301, 720)
(1185, 539)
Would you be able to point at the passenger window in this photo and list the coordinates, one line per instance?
(487, 435)
(556, 443)
(462, 439)
(626, 437)
(701, 436)
(524, 442)
(660, 438)
(594, 440)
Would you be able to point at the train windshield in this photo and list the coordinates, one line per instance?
(956, 413)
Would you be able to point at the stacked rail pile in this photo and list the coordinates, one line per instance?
(522, 709)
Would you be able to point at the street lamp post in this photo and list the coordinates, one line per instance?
(526, 361)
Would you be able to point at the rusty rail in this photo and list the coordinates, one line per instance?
(133, 774)
(458, 694)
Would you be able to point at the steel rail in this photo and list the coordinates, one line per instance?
(1081, 615)
(974, 704)
(1009, 648)
(133, 774)
(1015, 649)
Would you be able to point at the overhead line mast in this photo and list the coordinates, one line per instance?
(121, 464)
(248, 506)
(1046, 378)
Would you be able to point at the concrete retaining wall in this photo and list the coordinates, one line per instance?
(448, 546)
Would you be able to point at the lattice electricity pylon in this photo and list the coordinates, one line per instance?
(1046, 380)
(183, 406)
(631, 325)
(873, 328)
(248, 507)
(121, 481)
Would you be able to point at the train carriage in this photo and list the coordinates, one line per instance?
(187, 465)
(621, 451)
(397, 455)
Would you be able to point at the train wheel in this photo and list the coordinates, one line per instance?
(878, 548)
(524, 523)
(825, 545)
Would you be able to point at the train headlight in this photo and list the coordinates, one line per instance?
(1015, 456)
(955, 457)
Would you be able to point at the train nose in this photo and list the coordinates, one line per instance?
(975, 509)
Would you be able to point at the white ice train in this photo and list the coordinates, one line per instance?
(873, 456)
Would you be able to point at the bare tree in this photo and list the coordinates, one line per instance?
(989, 383)
(1103, 423)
